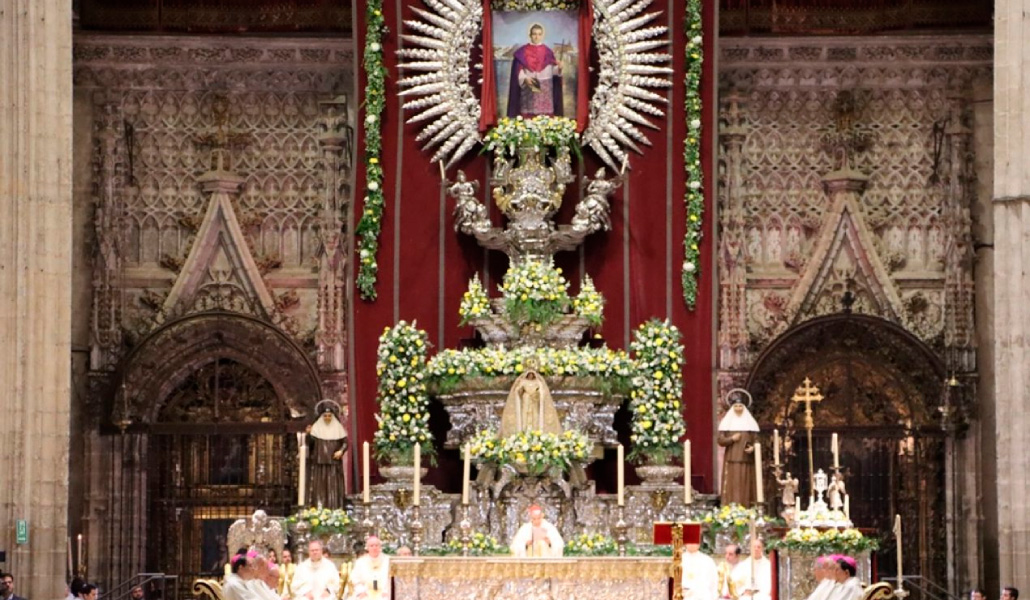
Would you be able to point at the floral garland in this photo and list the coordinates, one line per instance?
(371, 222)
(475, 303)
(539, 132)
(321, 521)
(589, 304)
(828, 541)
(449, 368)
(657, 420)
(534, 4)
(480, 544)
(531, 452)
(695, 196)
(534, 292)
(591, 544)
(403, 402)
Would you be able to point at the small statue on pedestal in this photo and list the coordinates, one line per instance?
(836, 492)
(789, 490)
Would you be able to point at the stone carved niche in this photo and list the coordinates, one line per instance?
(791, 249)
(266, 235)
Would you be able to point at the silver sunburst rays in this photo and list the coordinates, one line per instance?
(622, 102)
(445, 36)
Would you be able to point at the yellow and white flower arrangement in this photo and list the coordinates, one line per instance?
(534, 5)
(591, 544)
(832, 540)
(655, 400)
(321, 521)
(589, 303)
(403, 401)
(531, 452)
(542, 132)
(534, 292)
(731, 519)
(475, 304)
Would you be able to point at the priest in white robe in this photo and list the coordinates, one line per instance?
(752, 577)
(538, 538)
(700, 573)
(370, 577)
(316, 578)
(822, 570)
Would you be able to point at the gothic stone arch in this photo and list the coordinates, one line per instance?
(881, 388)
(176, 350)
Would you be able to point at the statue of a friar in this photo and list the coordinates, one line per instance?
(327, 442)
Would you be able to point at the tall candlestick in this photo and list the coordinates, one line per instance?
(760, 493)
(302, 468)
(688, 492)
(466, 472)
(621, 479)
(897, 534)
(836, 451)
(417, 486)
(366, 492)
(753, 534)
(776, 446)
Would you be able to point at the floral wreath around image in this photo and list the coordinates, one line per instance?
(534, 5)
(371, 223)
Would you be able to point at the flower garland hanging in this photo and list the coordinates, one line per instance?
(371, 222)
(695, 196)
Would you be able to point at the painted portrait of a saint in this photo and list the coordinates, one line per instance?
(535, 58)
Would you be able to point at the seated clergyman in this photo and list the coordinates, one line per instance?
(538, 538)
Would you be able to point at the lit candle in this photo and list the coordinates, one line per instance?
(836, 452)
(776, 446)
(465, 477)
(760, 493)
(302, 467)
(418, 475)
(366, 492)
(82, 563)
(847, 506)
(688, 492)
(897, 534)
(621, 479)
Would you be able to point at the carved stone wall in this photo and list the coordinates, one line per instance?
(219, 183)
(910, 102)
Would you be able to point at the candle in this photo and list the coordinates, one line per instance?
(366, 492)
(688, 492)
(753, 534)
(897, 533)
(418, 475)
(797, 507)
(776, 446)
(847, 506)
(836, 451)
(302, 467)
(465, 477)
(71, 569)
(760, 493)
(82, 563)
(621, 476)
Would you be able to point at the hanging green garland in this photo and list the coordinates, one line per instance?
(695, 197)
(371, 222)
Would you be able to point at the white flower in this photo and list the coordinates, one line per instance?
(695, 124)
(374, 47)
(696, 39)
(373, 185)
(370, 119)
(695, 185)
(689, 266)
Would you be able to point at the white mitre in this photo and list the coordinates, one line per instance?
(734, 422)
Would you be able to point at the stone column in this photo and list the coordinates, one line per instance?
(35, 288)
(1012, 287)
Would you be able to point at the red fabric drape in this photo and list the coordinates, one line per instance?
(586, 25)
(424, 266)
(488, 95)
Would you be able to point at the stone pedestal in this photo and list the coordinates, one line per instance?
(35, 289)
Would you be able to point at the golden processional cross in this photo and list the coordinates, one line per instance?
(808, 394)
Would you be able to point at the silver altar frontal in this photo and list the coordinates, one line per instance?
(501, 578)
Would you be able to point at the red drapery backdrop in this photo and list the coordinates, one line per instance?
(424, 266)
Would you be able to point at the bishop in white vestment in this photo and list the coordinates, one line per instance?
(538, 538)
(752, 577)
(370, 577)
(316, 578)
(700, 574)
